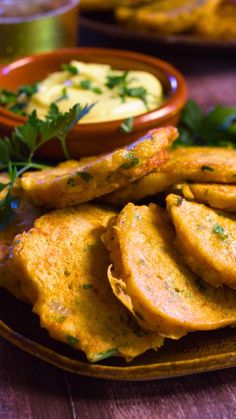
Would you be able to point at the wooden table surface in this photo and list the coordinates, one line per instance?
(30, 388)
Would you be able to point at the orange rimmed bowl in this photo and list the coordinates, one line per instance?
(95, 138)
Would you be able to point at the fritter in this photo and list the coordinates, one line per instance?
(213, 194)
(149, 278)
(62, 265)
(220, 24)
(201, 164)
(65, 187)
(206, 239)
(23, 220)
(166, 16)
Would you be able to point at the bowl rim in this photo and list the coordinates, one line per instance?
(169, 107)
(64, 8)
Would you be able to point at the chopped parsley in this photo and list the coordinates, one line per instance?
(117, 81)
(71, 68)
(16, 101)
(71, 182)
(219, 231)
(87, 286)
(206, 168)
(179, 201)
(104, 355)
(85, 176)
(64, 95)
(88, 85)
(132, 161)
(127, 125)
(124, 89)
(29, 89)
(72, 341)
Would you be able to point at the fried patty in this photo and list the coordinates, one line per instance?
(201, 164)
(149, 278)
(206, 239)
(213, 194)
(23, 220)
(166, 16)
(66, 187)
(220, 24)
(62, 265)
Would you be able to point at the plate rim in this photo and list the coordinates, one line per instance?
(143, 372)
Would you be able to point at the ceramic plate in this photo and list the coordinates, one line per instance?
(197, 352)
(104, 23)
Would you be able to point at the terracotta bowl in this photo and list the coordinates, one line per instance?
(96, 138)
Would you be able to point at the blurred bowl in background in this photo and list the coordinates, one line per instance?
(96, 138)
(29, 27)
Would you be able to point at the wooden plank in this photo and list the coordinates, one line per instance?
(210, 396)
(29, 388)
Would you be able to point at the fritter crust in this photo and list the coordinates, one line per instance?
(206, 239)
(213, 194)
(201, 164)
(149, 278)
(166, 16)
(23, 220)
(62, 187)
(62, 265)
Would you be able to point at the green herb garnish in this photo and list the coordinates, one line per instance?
(206, 168)
(72, 341)
(87, 85)
(17, 153)
(16, 102)
(64, 95)
(216, 128)
(87, 286)
(85, 176)
(132, 161)
(124, 89)
(104, 355)
(127, 125)
(179, 201)
(71, 68)
(117, 81)
(220, 231)
(28, 90)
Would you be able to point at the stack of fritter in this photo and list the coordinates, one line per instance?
(116, 283)
(212, 19)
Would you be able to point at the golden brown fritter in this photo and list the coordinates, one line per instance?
(148, 276)
(213, 194)
(166, 16)
(23, 220)
(62, 265)
(221, 24)
(201, 164)
(64, 187)
(206, 239)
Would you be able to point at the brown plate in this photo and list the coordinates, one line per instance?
(197, 352)
(105, 24)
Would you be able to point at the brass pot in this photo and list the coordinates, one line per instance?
(46, 31)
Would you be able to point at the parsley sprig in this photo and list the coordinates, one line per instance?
(17, 153)
(216, 128)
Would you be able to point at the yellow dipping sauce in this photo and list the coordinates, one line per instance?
(115, 94)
